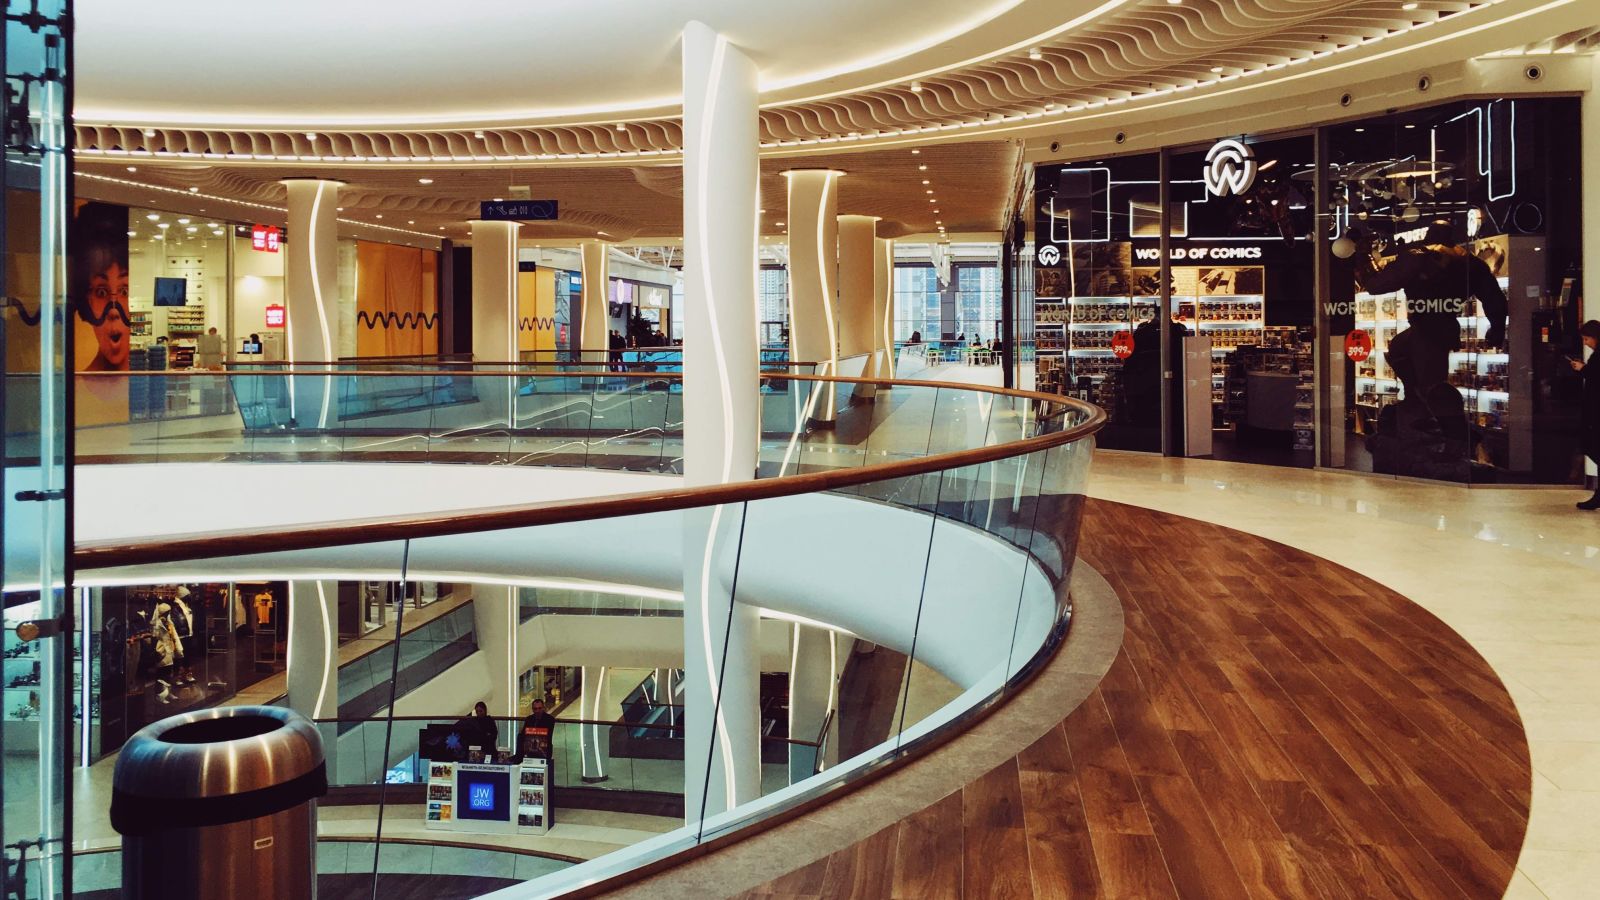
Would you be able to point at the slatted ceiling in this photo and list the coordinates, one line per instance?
(971, 181)
(1143, 45)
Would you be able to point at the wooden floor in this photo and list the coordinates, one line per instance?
(1274, 727)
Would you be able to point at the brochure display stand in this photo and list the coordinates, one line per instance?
(488, 798)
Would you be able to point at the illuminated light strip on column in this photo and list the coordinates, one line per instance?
(317, 710)
(703, 165)
(794, 672)
(827, 293)
(513, 610)
(888, 308)
(322, 315)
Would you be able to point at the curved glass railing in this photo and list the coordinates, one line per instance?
(933, 525)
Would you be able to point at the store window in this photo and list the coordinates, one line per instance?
(772, 284)
(977, 301)
(1455, 239)
(916, 302)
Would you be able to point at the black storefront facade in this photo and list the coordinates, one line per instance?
(1398, 295)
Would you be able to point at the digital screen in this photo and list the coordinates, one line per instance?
(483, 795)
(172, 291)
(250, 347)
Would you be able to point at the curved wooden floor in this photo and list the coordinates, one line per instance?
(1275, 726)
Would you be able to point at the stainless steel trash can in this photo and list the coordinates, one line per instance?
(220, 803)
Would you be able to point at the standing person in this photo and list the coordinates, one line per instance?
(1589, 412)
(480, 731)
(538, 732)
(208, 350)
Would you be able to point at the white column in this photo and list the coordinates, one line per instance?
(311, 289)
(858, 236)
(494, 620)
(494, 290)
(883, 305)
(813, 684)
(814, 275)
(721, 384)
(594, 736)
(595, 330)
(312, 664)
(494, 314)
(1590, 127)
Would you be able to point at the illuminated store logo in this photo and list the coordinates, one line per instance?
(275, 316)
(266, 238)
(1230, 168)
(1049, 255)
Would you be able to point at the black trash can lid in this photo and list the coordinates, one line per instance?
(216, 766)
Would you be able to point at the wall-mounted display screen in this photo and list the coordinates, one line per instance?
(483, 794)
(172, 291)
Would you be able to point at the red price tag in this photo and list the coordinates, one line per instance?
(1122, 344)
(1358, 345)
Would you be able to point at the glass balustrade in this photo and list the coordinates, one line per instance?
(910, 578)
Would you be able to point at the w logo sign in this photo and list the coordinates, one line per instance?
(1049, 255)
(1230, 168)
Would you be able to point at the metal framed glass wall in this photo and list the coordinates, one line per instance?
(1397, 295)
(38, 701)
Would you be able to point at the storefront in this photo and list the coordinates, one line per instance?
(1395, 295)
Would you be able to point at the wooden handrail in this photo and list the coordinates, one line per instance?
(109, 554)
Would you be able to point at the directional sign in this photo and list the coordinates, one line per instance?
(518, 210)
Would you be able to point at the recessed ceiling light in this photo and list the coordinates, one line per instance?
(1175, 2)
(478, 135)
(1036, 53)
(149, 132)
(916, 87)
(938, 221)
(164, 225)
(1411, 126)
(411, 221)
(929, 190)
(931, 200)
(380, 215)
(311, 135)
(499, 199)
(1360, 129)
(133, 168)
(338, 209)
(192, 229)
(194, 190)
(922, 168)
(1408, 6)
(916, 152)
(1216, 70)
(936, 212)
(133, 234)
(621, 127)
(183, 221)
(424, 181)
(154, 217)
(926, 181)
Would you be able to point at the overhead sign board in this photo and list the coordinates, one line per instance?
(518, 210)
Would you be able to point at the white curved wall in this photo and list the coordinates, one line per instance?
(853, 563)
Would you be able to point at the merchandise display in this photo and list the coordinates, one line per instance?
(488, 798)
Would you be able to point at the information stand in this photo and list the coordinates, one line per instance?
(489, 798)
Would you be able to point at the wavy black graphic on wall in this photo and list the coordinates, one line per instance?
(401, 321)
(29, 319)
(536, 323)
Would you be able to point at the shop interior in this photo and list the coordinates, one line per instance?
(1452, 236)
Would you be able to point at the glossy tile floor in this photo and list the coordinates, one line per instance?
(1513, 571)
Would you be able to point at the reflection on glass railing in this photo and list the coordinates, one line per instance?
(890, 605)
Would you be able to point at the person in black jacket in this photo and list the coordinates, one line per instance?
(1589, 414)
(478, 730)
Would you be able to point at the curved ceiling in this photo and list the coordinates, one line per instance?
(407, 63)
(845, 73)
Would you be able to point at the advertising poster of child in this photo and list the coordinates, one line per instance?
(97, 292)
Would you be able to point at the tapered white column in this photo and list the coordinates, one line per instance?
(883, 306)
(721, 385)
(858, 237)
(814, 276)
(494, 291)
(595, 329)
(312, 665)
(311, 286)
(495, 615)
